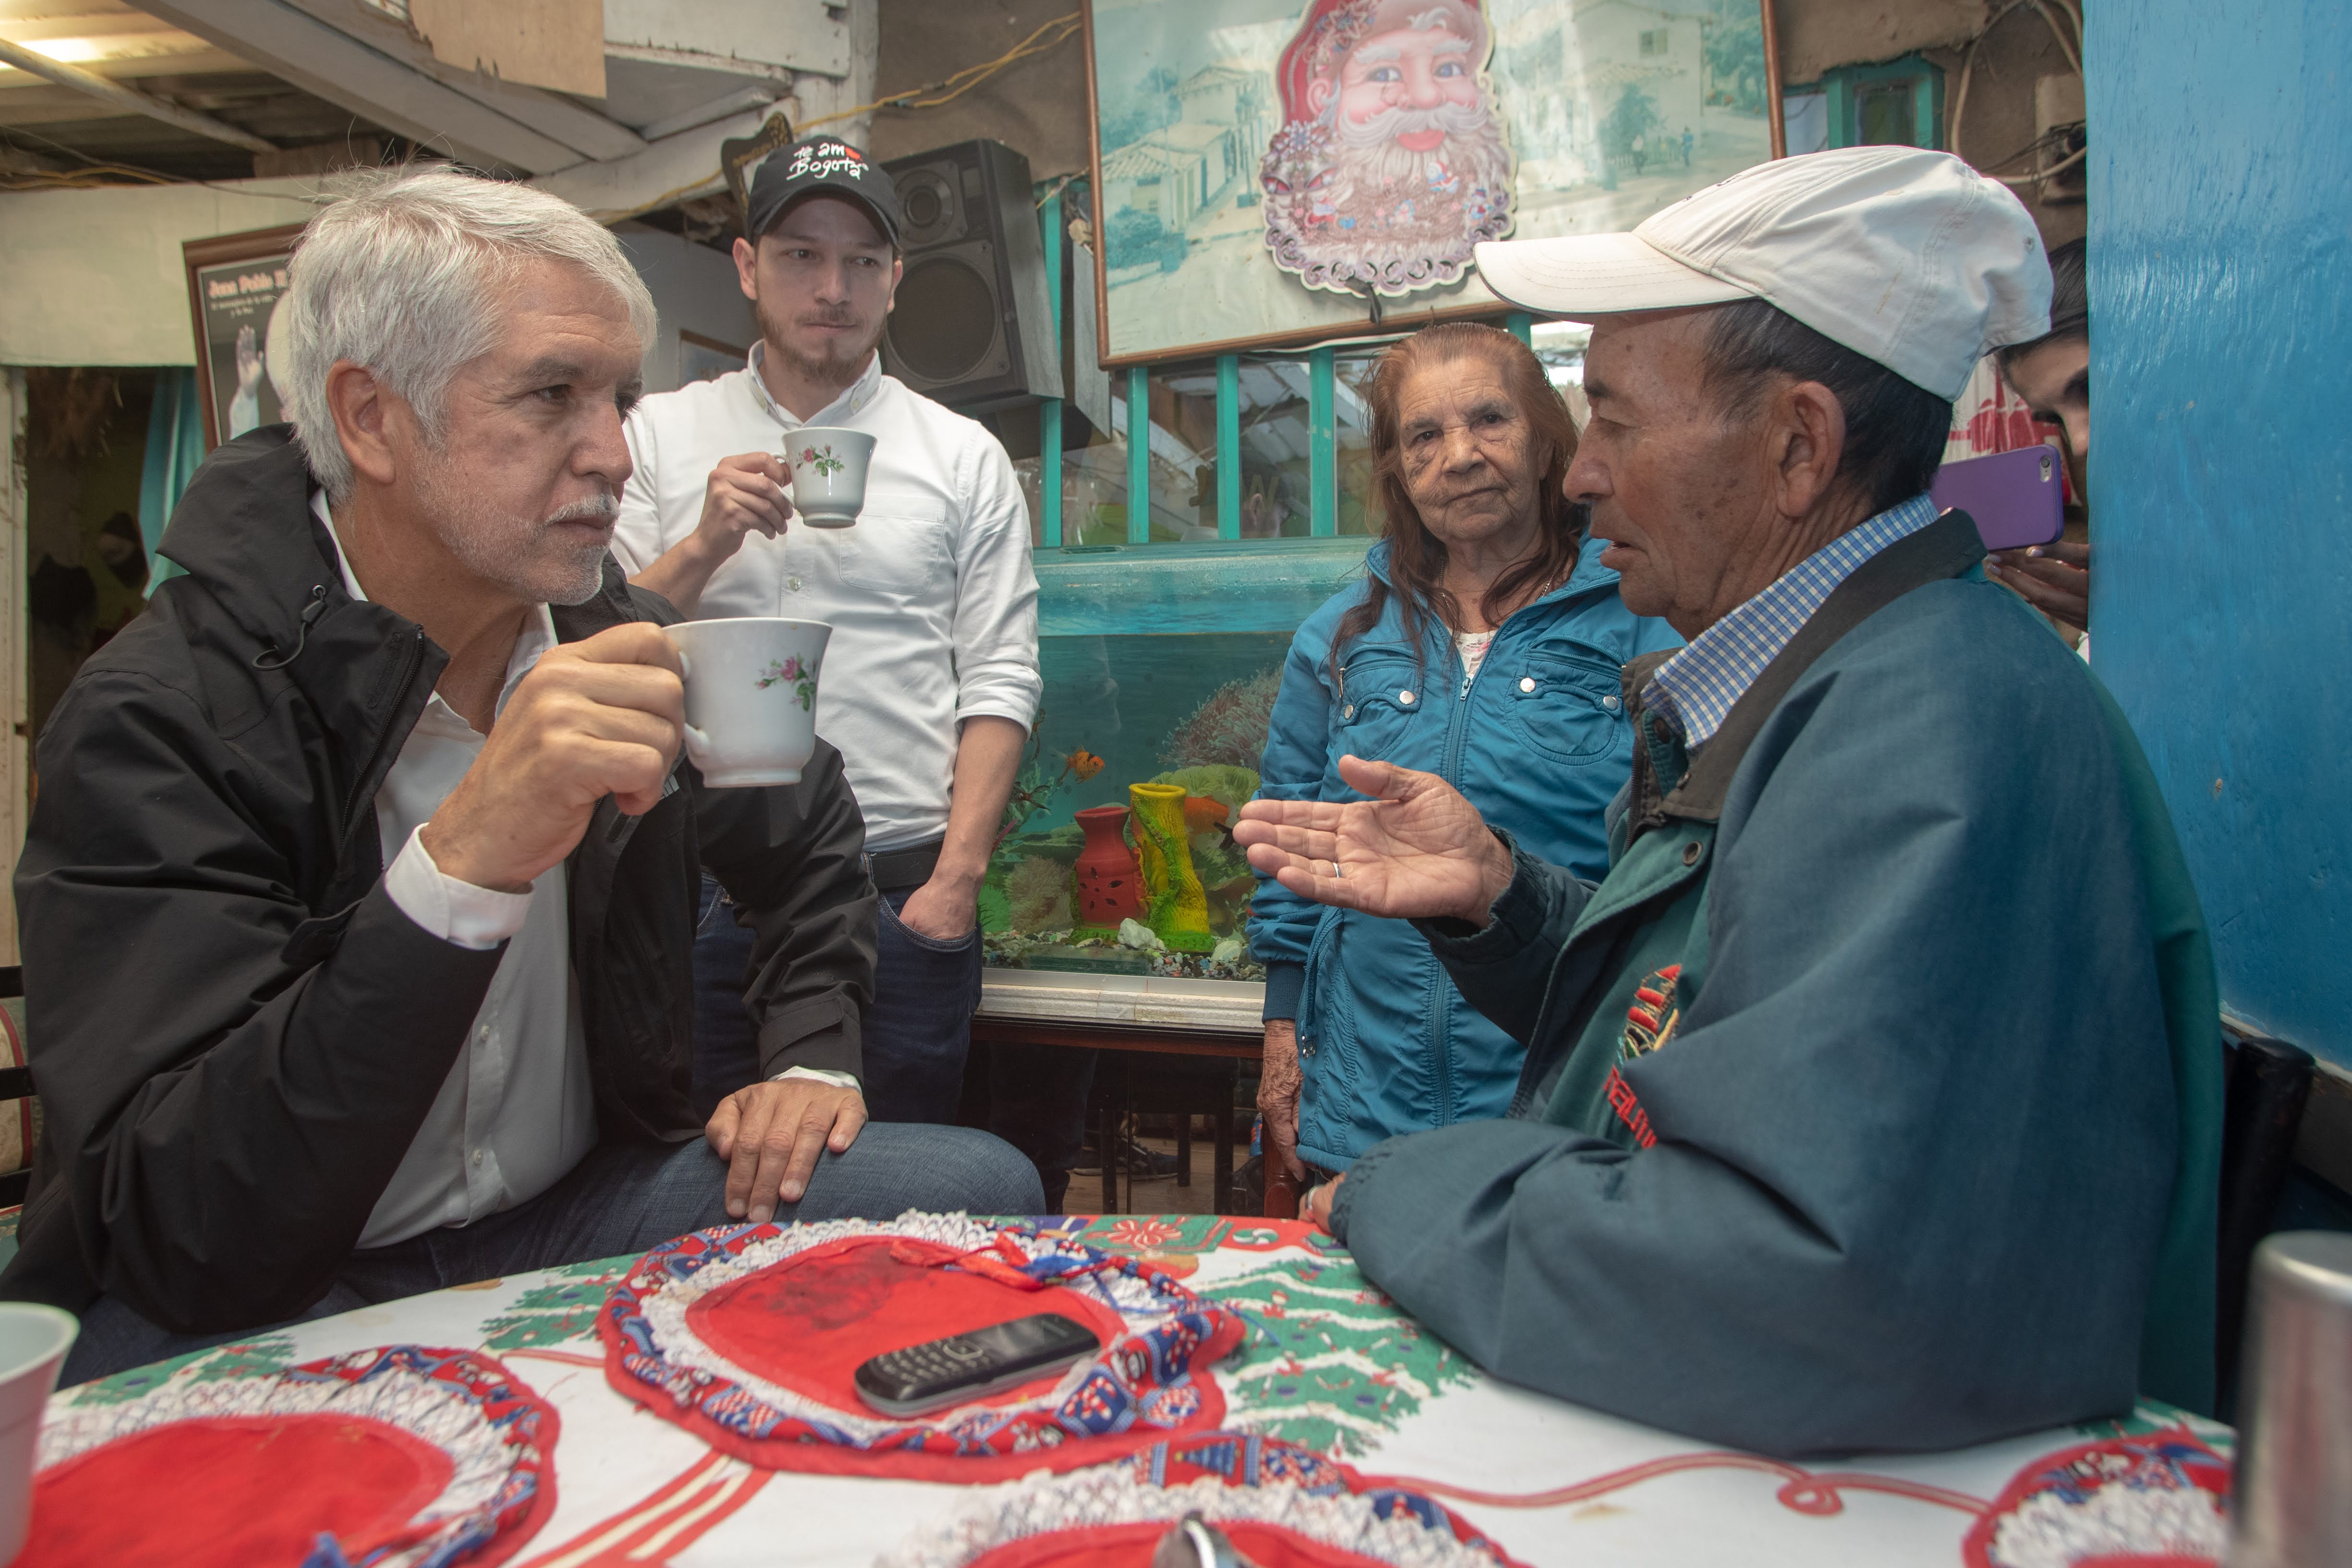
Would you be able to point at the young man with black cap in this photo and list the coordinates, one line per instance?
(930, 681)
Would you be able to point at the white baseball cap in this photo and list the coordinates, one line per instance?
(1909, 257)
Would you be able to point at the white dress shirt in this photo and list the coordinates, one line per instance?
(516, 1112)
(930, 595)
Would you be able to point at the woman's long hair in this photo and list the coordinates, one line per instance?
(1417, 556)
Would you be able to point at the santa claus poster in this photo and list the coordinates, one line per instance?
(1272, 172)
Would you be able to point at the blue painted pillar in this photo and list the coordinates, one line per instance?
(1139, 455)
(1229, 446)
(1521, 326)
(2220, 273)
(1049, 410)
(1322, 446)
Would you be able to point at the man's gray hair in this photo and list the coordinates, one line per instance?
(402, 274)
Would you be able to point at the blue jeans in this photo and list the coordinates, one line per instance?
(622, 1198)
(917, 1034)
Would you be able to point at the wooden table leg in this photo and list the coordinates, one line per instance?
(1281, 1192)
(1107, 1136)
(1224, 1161)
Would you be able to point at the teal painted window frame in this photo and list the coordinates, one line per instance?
(1322, 418)
(1847, 85)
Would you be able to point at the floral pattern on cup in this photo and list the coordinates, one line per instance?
(821, 459)
(802, 682)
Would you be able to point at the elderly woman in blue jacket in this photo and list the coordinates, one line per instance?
(1483, 646)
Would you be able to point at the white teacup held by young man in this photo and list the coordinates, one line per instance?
(750, 697)
(829, 466)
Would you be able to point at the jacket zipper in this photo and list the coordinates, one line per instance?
(370, 778)
(1450, 770)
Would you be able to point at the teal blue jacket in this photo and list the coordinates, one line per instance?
(1538, 741)
(1917, 1147)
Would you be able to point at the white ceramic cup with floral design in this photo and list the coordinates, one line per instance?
(829, 466)
(750, 697)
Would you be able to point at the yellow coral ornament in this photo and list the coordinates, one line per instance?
(1173, 905)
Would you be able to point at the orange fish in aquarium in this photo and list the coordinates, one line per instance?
(1083, 764)
(1202, 814)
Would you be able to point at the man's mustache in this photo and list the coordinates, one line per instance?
(603, 507)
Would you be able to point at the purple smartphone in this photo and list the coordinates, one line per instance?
(2016, 497)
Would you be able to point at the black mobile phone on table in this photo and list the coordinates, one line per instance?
(964, 1366)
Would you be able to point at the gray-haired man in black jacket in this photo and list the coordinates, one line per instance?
(358, 905)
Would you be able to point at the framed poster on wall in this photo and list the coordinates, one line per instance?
(701, 359)
(1270, 173)
(234, 285)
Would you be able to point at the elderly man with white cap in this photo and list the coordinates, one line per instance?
(1873, 1099)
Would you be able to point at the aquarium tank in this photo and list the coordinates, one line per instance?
(1160, 666)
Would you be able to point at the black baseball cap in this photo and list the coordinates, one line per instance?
(821, 163)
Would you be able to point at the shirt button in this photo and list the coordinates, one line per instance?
(1691, 853)
(1405, 697)
(1611, 703)
(794, 583)
(1348, 712)
(484, 1033)
(1527, 683)
(477, 1156)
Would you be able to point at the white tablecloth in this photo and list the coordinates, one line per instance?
(1329, 1364)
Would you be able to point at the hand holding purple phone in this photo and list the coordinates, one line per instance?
(2054, 578)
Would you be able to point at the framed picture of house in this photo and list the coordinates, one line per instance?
(234, 285)
(1274, 172)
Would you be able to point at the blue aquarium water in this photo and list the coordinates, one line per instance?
(1160, 664)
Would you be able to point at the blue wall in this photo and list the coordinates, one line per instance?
(2220, 220)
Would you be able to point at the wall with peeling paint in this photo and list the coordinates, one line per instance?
(2221, 203)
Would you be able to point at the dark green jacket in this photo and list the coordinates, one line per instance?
(1919, 1146)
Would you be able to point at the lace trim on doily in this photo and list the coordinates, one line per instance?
(650, 1310)
(392, 1386)
(1138, 1301)
(1114, 1495)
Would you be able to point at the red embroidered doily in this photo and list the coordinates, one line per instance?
(1281, 1505)
(400, 1456)
(2159, 1499)
(749, 1337)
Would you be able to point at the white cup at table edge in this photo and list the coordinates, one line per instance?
(34, 1340)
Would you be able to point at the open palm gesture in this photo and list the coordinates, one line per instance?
(1416, 850)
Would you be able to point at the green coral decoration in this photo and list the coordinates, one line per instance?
(996, 908)
(1037, 895)
(1229, 726)
(1222, 867)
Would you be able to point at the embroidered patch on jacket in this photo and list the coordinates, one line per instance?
(1650, 1021)
(1629, 1110)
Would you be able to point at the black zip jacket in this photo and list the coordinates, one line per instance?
(236, 1032)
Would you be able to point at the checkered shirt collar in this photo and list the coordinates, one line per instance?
(1695, 690)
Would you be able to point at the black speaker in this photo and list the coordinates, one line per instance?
(970, 327)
